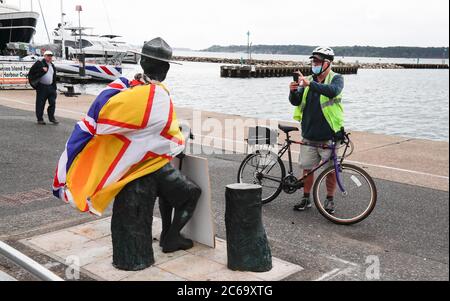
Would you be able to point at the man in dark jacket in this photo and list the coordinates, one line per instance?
(42, 77)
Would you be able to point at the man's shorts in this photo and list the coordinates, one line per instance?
(311, 157)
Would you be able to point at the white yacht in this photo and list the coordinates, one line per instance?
(15, 25)
(131, 57)
(94, 48)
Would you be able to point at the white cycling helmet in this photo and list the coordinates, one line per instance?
(323, 53)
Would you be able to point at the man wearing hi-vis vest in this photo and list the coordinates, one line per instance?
(317, 99)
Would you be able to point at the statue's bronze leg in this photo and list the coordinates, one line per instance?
(166, 215)
(176, 191)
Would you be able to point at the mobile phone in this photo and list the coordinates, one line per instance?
(296, 77)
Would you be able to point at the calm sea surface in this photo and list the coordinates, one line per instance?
(410, 103)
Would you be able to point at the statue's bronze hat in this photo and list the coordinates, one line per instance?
(157, 49)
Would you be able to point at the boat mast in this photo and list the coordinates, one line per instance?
(31, 4)
(62, 30)
(45, 23)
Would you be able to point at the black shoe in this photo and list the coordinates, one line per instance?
(330, 207)
(41, 123)
(161, 238)
(54, 121)
(180, 243)
(304, 204)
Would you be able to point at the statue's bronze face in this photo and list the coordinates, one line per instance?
(155, 69)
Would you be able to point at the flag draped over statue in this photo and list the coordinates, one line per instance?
(129, 132)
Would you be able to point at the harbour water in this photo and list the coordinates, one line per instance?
(409, 103)
(305, 58)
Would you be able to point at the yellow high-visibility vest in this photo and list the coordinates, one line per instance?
(332, 108)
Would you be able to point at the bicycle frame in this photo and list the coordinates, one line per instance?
(334, 158)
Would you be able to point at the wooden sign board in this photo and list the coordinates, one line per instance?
(13, 75)
(201, 227)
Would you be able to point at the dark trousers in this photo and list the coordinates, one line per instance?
(44, 93)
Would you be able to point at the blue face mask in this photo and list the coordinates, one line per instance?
(316, 69)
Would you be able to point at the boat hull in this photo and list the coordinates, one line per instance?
(97, 72)
(17, 27)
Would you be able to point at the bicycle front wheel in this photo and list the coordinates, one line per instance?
(265, 169)
(349, 207)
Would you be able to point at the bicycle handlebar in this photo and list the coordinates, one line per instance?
(341, 136)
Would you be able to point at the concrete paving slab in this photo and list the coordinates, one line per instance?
(191, 267)
(94, 230)
(154, 274)
(87, 253)
(219, 254)
(103, 269)
(90, 243)
(281, 270)
(429, 157)
(225, 274)
(58, 241)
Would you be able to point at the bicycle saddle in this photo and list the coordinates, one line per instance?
(288, 129)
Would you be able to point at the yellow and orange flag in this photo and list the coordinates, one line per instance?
(129, 132)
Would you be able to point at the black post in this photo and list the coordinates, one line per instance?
(247, 244)
(131, 225)
(82, 65)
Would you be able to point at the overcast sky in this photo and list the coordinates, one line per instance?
(198, 24)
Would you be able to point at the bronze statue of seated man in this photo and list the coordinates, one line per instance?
(133, 207)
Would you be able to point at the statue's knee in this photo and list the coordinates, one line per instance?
(196, 193)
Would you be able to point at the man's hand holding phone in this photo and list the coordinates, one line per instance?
(299, 81)
(295, 84)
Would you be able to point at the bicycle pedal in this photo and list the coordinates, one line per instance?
(300, 185)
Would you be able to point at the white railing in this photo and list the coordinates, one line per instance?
(27, 263)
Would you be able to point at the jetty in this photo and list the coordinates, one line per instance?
(245, 71)
(74, 79)
(423, 66)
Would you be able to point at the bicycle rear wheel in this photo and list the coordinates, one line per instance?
(351, 207)
(265, 169)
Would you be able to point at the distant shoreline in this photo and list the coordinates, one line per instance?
(343, 51)
(279, 63)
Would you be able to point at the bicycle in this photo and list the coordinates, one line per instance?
(265, 168)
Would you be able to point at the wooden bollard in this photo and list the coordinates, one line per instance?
(247, 244)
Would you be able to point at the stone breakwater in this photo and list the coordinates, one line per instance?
(276, 63)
